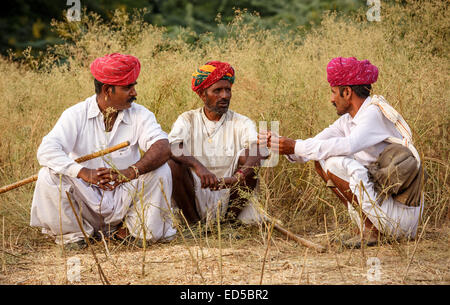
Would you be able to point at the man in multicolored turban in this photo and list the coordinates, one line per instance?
(343, 151)
(214, 151)
(120, 193)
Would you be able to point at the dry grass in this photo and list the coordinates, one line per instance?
(242, 260)
(278, 79)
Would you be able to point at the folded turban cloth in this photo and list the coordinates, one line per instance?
(116, 69)
(350, 71)
(210, 73)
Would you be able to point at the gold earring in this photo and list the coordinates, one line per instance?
(106, 98)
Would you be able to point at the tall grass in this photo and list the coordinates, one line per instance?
(278, 78)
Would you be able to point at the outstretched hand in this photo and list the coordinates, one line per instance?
(280, 145)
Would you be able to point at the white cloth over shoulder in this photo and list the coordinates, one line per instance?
(400, 124)
(217, 145)
(80, 131)
(350, 144)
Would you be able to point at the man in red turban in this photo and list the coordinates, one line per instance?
(356, 140)
(350, 71)
(214, 151)
(120, 194)
(116, 69)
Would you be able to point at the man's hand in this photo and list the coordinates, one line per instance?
(101, 177)
(108, 175)
(280, 145)
(264, 138)
(208, 179)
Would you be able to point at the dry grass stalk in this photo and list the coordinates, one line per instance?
(329, 247)
(414, 251)
(108, 255)
(220, 240)
(303, 266)
(269, 236)
(144, 228)
(63, 251)
(174, 219)
(102, 275)
(3, 245)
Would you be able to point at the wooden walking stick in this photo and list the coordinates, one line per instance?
(79, 160)
(228, 182)
(299, 239)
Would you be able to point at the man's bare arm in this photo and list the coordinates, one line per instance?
(250, 162)
(153, 158)
(207, 178)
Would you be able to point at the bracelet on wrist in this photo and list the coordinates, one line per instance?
(240, 175)
(136, 171)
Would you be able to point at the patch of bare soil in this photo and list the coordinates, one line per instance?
(241, 257)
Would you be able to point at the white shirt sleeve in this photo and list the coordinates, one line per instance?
(149, 131)
(331, 131)
(55, 147)
(331, 142)
(180, 133)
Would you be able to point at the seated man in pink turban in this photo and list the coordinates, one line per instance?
(214, 151)
(119, 189)
(343, 151)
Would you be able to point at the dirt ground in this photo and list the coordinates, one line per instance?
(241, 257)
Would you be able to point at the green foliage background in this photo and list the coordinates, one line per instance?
(27, 22)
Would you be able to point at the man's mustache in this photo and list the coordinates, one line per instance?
(131, 99)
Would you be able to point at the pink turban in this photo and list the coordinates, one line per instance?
(350, 71)
(116, 69)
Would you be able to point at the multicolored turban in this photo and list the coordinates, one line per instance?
(116, 69)
(350, 71)
(210, 73)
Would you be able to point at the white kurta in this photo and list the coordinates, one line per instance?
(217, 145)
(80, 131)
(345, 148)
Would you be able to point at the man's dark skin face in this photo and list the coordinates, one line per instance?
(121, 98)
(341, 103)
(217, 99)
(113, 99)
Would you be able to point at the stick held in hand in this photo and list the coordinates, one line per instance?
(79, 160)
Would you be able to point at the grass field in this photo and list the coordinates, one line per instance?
(279, 77)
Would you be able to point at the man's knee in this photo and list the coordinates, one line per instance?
(161, 174)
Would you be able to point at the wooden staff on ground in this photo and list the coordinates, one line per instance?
(227, 183)
(79, 160)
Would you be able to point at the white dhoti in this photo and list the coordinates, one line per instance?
(207, 201)
(141, 204)
(389, 217)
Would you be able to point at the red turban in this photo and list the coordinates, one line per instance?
(210, 73)
(350, 71)
(116, 69)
